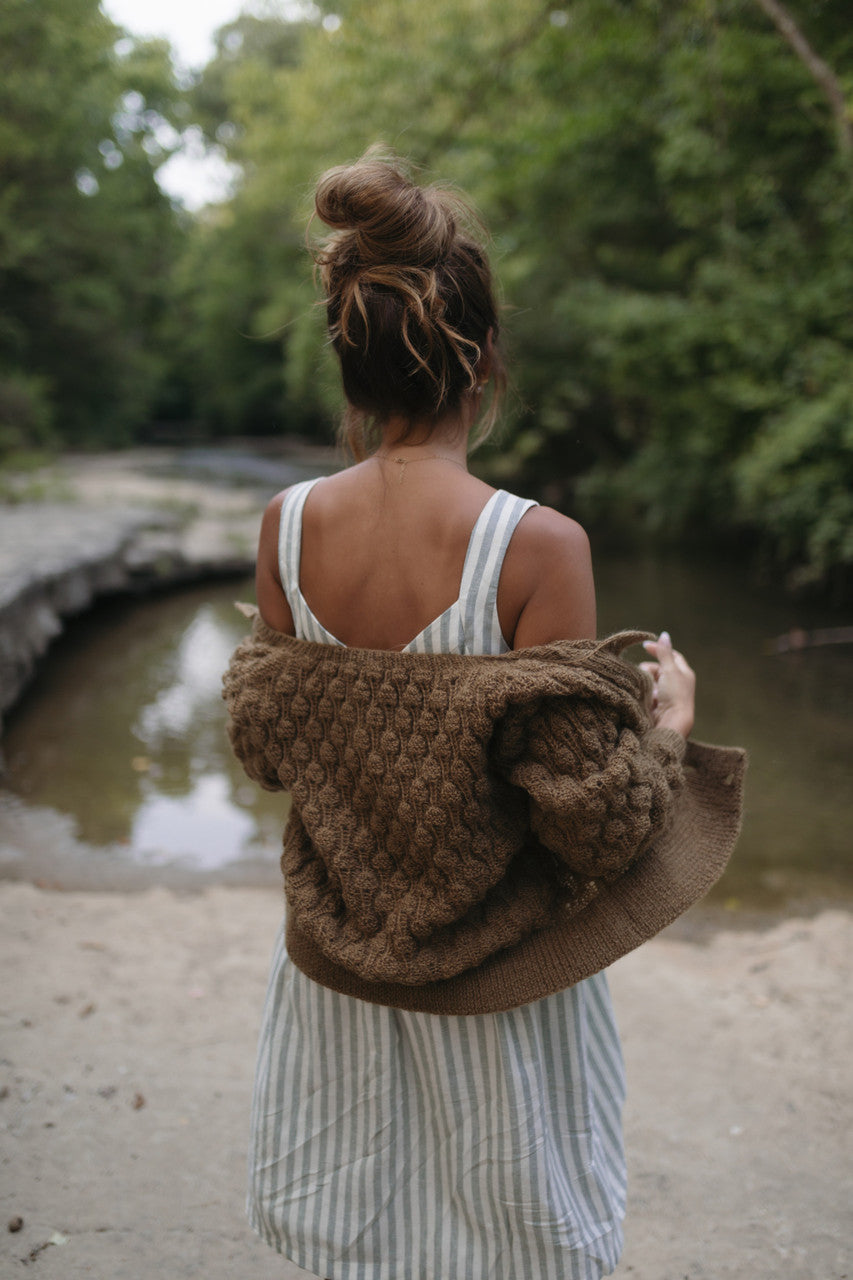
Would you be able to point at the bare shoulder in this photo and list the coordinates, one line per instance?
(547, 588)
(272, 516)
(545, 529)
(268, 538)
(272, 601)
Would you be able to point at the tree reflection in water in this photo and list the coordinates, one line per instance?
(124, 730)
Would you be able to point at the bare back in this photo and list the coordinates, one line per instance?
(383, 550)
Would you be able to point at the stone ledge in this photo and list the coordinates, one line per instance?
(133, 521)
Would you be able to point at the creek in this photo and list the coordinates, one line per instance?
(119, 773)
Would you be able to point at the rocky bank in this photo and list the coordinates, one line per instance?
(141, 520)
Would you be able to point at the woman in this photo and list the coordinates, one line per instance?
(391, 1139)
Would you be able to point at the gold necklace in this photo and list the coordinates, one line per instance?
(402, 463)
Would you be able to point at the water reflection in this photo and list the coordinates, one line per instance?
(793, 712)
(197, 665)
(124, 731)
(120, 745)
(203, 826)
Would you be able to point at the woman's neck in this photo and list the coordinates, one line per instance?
(447, 438)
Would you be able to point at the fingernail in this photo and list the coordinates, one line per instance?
(664, 638)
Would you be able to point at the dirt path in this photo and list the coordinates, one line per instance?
(128, 1028)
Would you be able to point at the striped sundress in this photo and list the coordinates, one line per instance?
(389, 1145)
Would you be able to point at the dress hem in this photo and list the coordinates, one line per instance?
(596, 1269)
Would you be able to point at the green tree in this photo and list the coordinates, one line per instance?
(87, 240)
(669, 187)
(237, 343)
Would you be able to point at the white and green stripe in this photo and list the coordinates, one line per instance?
(469, 625)
(389, 1145)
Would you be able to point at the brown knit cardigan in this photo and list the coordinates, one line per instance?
(470, 833)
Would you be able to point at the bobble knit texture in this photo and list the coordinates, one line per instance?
(447, 807)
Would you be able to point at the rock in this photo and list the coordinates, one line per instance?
(55, 559)
(130, 521)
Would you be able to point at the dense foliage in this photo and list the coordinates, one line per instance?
(87, 240)
(669, 187)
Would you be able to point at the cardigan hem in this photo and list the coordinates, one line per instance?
(650, 895)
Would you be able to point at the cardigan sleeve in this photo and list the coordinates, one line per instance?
(253, 691)
(600, 783)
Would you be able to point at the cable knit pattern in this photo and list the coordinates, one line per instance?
(446, 807)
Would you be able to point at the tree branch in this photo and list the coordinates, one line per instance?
(820, 71)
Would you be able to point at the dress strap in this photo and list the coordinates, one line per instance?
(290, 539)
(478, 594)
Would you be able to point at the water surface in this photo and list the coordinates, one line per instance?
(120, 748)
(120, 773)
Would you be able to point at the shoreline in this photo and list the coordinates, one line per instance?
(129, 1023)
(94, 525)
(41, 846)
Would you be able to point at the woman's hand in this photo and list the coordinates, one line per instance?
(673, 687)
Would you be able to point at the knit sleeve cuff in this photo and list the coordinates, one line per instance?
(671, 741)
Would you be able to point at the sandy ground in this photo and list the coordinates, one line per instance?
(128, 1029)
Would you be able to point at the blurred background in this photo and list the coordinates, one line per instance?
(668, 186)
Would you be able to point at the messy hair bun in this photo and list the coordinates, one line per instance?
(408, 295)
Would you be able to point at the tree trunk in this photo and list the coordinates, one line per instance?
(820, 71)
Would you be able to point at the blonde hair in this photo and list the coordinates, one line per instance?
(409, 298)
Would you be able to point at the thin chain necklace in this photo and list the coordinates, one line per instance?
(402, 463)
